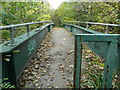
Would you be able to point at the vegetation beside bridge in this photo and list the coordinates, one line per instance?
(101, 12)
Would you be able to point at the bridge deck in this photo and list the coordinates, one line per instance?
(52, 65)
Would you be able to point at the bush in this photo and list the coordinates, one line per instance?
(5, 84)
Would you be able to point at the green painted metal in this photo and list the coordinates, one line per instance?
(12, 36)
(94, 23)
(98, 47)
(12, 28)
(105, 45)
(109, 65)
(100, 37)
(78, 61)
(48, 28)
(6, 46)
(82, 29)
(71, 28)
(93, 45)
(0, 66)
(28, 30)
(19, 54)
(111, 54)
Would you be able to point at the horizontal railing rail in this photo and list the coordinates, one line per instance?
(11, 29)
(94, 23)
(24, 24)
(106, 24)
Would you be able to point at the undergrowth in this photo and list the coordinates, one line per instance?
(92, 71)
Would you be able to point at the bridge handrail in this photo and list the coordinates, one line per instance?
(106, 24)
(105, 45)
(24, 24)
(110, 61)
(12, 28)
(94, 23)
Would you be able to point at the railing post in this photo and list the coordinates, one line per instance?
(71, 28)
(28, 30)
(118, 73)
(12, 41)
(87, 26)
(53, 25)
(107, 29)
(49, 28)
(77, 62)
(109, 65)
(78, 24)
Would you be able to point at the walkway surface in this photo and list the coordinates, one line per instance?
(52, 65)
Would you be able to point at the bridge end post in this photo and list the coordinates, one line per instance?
(77, 61)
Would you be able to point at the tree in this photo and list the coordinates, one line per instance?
(102, 12)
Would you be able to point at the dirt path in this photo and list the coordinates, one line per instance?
(54, 61)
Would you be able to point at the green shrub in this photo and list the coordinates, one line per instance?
(5, 84)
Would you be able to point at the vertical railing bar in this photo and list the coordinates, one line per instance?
(71, 28)
(40, 26)
(49, 28)
(87, 26)
(12, 36)
(78, 23)
(78, 60)
(28, 30)
(106, 29)
(109, 65)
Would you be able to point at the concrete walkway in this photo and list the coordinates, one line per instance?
(56, 62)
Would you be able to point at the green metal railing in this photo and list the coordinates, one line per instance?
(18, 51)
(105, 45)
(11, 29)
(93, 23)
(111, 55)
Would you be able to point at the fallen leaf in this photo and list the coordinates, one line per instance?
(71, 66)
(64, 38)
